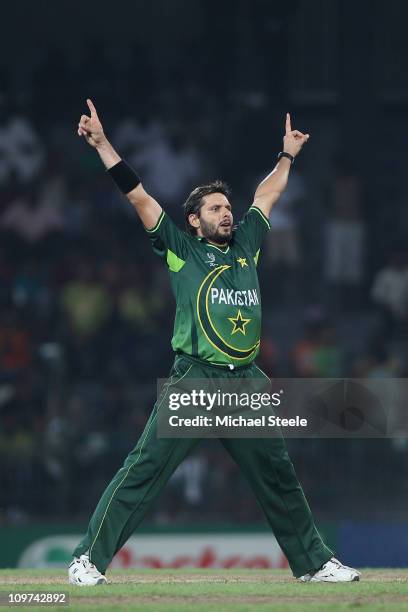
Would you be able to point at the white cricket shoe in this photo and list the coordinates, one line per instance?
(83, 573)
(332, 571)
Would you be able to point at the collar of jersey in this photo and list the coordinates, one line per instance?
(202, 239)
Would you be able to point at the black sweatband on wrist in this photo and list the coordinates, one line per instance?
(124, 176)
(288, 155)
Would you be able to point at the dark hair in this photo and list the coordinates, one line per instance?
(194, 201)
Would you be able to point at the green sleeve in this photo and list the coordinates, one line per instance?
(253, 229)
(169, 242)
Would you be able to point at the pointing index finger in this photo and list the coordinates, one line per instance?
(92, 108)
(288, 125)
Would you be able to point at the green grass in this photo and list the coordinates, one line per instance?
(215, 591)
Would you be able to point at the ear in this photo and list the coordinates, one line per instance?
(194, 220)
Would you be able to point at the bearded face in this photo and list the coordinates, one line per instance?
(214, 221)
(220, 233)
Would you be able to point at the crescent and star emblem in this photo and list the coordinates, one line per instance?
(213, 336)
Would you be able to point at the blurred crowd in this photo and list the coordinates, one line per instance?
(85, 306)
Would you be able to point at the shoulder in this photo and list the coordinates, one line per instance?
(253, 223)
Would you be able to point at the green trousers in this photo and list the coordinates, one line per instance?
(264, 461)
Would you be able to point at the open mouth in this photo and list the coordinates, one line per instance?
(225, 224)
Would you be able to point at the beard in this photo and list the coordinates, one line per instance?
(216, 233)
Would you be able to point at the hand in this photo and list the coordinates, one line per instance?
(293, 140)
(91, 128)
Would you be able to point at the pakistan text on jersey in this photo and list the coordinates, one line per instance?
(247, 297)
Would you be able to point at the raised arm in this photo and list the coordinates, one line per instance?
(91, 128)
(270, 189)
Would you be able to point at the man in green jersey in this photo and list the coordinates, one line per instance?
(217, 331)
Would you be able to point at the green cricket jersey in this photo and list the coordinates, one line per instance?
(218, 315)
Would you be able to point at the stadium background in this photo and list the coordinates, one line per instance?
(191, 91)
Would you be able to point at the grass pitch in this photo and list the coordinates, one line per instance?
(214, 591)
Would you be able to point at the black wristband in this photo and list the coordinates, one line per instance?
(288, 155)
(124, 176)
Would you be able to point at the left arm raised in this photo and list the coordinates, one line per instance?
(269, 190)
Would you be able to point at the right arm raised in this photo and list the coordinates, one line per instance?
(91, 128)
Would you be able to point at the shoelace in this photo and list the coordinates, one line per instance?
(334, 562)
(85, 563)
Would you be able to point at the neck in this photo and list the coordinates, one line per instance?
(218, 244)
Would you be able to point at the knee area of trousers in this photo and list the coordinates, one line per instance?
(285, 471)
